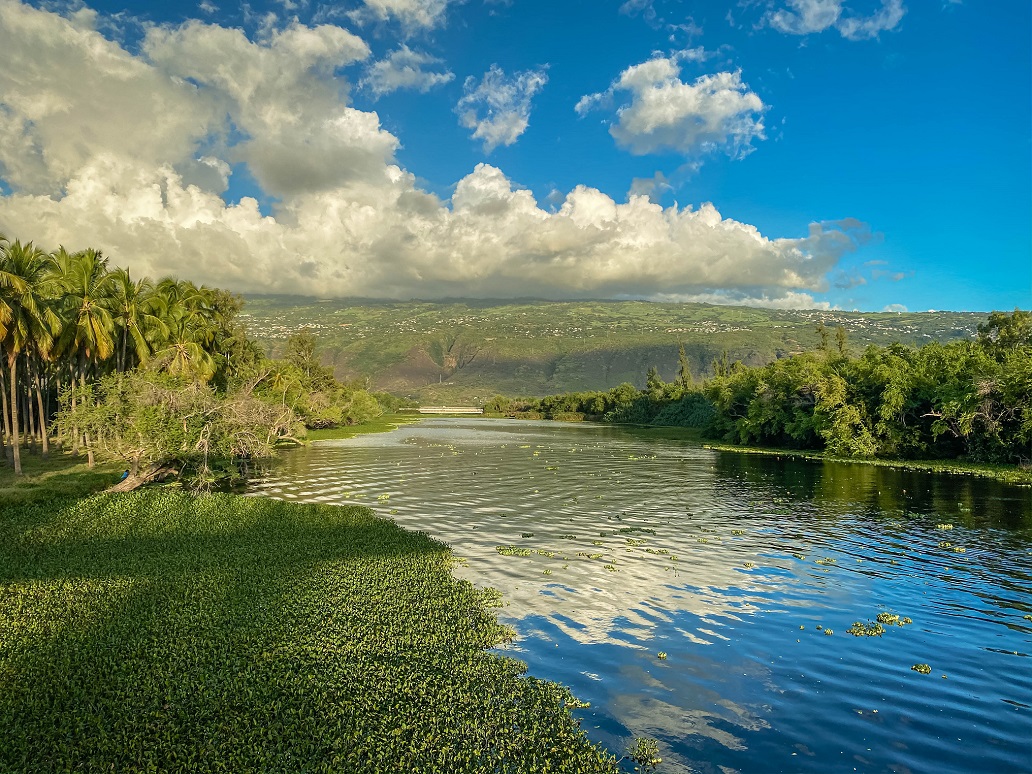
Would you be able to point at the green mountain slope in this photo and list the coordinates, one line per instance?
(466, 351)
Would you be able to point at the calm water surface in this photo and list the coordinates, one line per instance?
(736, 567)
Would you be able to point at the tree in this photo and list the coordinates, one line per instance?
(684, 370)
(29, 322)
(840, 339)
(159, 424)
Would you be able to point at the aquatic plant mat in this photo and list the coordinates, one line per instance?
(157, 631)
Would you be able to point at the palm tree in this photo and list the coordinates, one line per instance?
(29, 320)
(135, 319)
(183, 352)
(87, 332)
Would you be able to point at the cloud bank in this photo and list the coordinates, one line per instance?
(144, 178)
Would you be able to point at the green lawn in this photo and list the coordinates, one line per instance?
(155, 631)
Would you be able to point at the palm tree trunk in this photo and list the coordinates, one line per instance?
(44, 441)
(12, 363)
(7, 420)
(86, 436)
(31, 418)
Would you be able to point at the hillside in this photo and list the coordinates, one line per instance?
(465, 351)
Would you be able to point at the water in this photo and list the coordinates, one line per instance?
(727, 564)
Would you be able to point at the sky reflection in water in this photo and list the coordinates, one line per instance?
(727, 563)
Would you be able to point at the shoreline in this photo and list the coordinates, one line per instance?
(1008, 474)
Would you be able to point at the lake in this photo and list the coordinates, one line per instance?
(744, 571)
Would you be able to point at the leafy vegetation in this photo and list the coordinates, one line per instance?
(967, 400)
(155, 374)
(159, 631)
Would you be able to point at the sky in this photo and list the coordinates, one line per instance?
(843, 154)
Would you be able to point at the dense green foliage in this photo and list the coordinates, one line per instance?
(160, 632)
(463, 352)
(968, 400)
(74, 331)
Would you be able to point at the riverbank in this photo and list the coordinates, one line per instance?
(1010, 474)
(382, 424)
(161, 630)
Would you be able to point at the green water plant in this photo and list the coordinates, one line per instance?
(869, 629)
(644, 752)
(513, 551)
(923, 669)
(155, 631)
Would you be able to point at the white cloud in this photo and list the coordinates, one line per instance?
(898, 308)
(805, 17)
(713, 112)
(497, 108)
(403, 69)
(411, 14)
(143, 180)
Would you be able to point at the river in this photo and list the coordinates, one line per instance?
(703, 598)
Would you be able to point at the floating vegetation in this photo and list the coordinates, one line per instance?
(574, 703)
(393, 511)
(1027, 617)
(826, 561)
(656, 551)
(567, 537)
(597, 543)
(661, 655)
(828, 632)
(869, 629)
(636, 541)
(959, 550)
(552, 467)
(645, 752)
(945, 544)
(922, 668)
(224, 633)
(944, 526)
(546, 572)
(703, 540)
(513, 551)
(799, 556)
(738, 532)
(586, 555)
(549, 554)
(748, 565)
(891, 619)
(610, 567)
(526, 534)
(383, 498)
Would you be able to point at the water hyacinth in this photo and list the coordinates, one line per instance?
(158, 632)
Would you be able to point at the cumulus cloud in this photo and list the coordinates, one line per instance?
(713, 112)
(805, 17)
(145, 182)
(497, 108)
(403, 69)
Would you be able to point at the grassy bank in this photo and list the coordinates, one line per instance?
(159, 631)
(60, 477)
(1010, 474)
(382, 424)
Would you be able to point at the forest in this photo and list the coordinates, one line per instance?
(969, 400)
(159, 374)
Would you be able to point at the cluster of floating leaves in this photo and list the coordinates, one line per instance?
(155, 631)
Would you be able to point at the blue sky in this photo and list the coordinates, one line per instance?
(868, 154)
